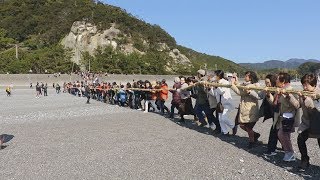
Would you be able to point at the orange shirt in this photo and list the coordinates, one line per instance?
(164, 92)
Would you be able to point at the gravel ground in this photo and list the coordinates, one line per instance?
(61, 137)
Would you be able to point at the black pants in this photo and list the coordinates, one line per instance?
(163, 107)
(273, 139)
(216, 119)
(137, 102)
(174, 105)
(302, 138)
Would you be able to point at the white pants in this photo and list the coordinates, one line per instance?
(152, 103)
(225, 121)
(146, 107)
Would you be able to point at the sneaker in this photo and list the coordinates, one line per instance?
(225, 134)
(212, 126)
(216, 131)
(289, 156)
(304, 165)
(270, 153)
(234, 130)
(203, 125)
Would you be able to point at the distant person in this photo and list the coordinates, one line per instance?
(8, 91)
(38, 90)
(267, 111)
(41, 86)
(308, 105)
(176, 97)
(288, 117)
(248, 109)
(148, 97)
(163, 97)
(58, 88)
(87, 93)
(45, 90)
(122, 95)
(202, 103)
(223, 95)
(185, 107)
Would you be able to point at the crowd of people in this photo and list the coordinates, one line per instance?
(42, 89)
(211, 106)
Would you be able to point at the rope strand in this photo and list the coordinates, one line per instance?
(205, 83)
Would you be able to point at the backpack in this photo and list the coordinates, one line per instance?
(122, 96)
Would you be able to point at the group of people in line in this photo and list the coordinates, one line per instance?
(42, 89)
(214, 104)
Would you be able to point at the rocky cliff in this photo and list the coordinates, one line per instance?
(84, 37)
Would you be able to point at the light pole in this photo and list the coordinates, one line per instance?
(89, 64)
(30, 71)
(17, 51)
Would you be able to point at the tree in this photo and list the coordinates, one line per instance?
(308, 67)
(4, 41)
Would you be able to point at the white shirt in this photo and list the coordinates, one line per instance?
(226, 98)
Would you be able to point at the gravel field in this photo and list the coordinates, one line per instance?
(61, 137)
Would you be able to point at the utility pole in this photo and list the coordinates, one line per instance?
(89, 64)
(17, 52)
(71, 71)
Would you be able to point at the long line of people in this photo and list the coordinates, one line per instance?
(213, 105)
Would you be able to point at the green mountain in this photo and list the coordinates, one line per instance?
(42, 31)
(199, 60)
(293, 63)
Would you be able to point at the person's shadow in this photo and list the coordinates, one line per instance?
(313, 172)
(6, 138)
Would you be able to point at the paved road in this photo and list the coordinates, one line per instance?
(61, 137)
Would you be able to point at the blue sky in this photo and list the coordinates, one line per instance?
(239, 30)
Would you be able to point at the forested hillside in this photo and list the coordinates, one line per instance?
(38, 26)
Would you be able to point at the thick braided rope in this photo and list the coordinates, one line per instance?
(206, 83)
